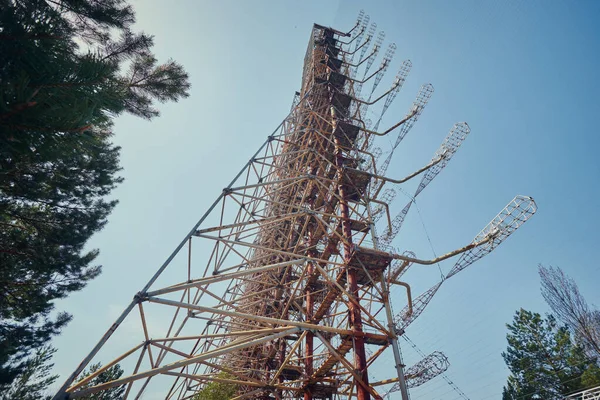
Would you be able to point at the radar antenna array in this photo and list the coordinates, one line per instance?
(282, 288)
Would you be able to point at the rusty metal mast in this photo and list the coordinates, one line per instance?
(286, 294)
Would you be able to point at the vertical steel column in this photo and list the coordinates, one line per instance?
(360, 358)
(310, 269)
(399, 364)
(308, 351)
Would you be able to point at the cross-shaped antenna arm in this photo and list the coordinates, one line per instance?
(515, 214)
(407, 178)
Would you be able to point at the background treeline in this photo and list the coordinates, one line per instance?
(67, 69)
(556, 355)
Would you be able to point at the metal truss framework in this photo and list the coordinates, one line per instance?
(588, 394)
(285, 292)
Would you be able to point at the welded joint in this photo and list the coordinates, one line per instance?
(139, 297)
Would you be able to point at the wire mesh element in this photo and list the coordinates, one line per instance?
(425, 370)
(399, 267)
(405, 317)
(385, 62)
(357, 42)
(370, 35)
(453, 385)
(398, 82)
(364, 23)
(411, 118)
(449, 146)
(515, 214)
(376, 152)
(389, 235)
(359, 19)
(373, 55)
(387, 197)
(442, 156)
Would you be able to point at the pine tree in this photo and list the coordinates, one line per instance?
(33, 381)
(67, 68)
(217, 390)
(543, 361)
(110, 374)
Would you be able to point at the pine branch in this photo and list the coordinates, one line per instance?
(17, 108)
(38, 128)
(31, 37)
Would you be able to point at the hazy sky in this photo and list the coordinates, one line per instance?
(522, 74)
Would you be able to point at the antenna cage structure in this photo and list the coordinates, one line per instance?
(282, 289)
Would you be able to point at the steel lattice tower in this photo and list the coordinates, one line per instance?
(282, 289)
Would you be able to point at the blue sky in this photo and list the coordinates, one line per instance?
(522, 74)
